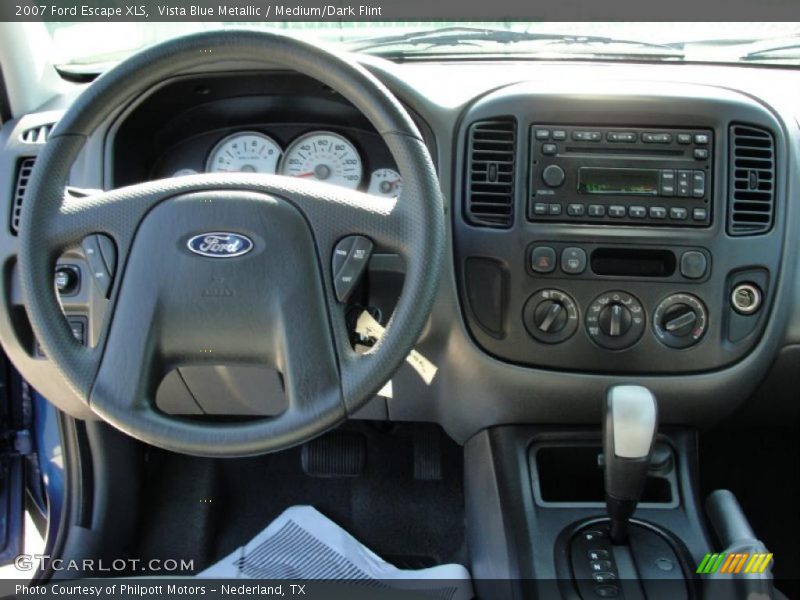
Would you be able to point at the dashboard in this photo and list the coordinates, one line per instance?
(607, 223)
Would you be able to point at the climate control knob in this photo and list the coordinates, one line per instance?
(680, 320)
(550, 316)
(615, 320)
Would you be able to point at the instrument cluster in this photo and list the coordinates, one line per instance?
(323, 155)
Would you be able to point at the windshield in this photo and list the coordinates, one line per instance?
(95, 46)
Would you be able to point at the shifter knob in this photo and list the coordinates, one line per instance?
(629, 431)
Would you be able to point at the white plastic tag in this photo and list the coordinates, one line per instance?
(368, 327)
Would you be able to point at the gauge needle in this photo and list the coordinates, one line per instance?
(309, 174)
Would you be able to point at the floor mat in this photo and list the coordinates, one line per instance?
(302, 544)
(203, 509)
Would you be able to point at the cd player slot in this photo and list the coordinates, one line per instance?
(622, 151)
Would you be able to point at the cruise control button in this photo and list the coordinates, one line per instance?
(678, 213)
(598, 554)
(606, 591)
(543, 259)
(603, 576)
(573, 260)
(597, 210)
(350, 258)
(600, 565)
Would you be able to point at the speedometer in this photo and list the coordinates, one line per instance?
(246, 152)
(324, 156)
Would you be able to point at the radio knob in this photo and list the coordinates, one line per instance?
(615, 320)
(553, 176)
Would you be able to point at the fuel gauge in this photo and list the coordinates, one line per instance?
(385, 182)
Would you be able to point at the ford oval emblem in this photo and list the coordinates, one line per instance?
(220, 244)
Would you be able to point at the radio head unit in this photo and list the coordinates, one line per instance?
(621, 175)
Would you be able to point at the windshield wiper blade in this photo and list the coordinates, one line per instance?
(769, 53)
(463, 36)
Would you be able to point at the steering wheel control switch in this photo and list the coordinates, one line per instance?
(615, 320)
(746, 298)
(101, 254)
(550, 316)
(350, 259)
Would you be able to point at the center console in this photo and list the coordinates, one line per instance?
(618, 233)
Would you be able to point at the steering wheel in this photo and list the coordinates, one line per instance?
(273, 304)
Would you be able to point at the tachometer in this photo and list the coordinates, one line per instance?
(324, 156)
(385, 182)
(246, 152)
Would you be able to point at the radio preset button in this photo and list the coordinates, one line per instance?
(637, 212)
(542, 134)
(576, 210)
(540, 208)
(554, 209)
(678, 213)
(684, 138)
(658, 212)
(553, 175)
(549, 149)
(543, 259)
(573, 260)
(616, 211)
(597, 210)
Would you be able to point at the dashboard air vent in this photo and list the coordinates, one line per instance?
(24, 170)
(490, 172)
(752, 180)
(37, 135)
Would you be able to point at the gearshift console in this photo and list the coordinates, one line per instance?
(629, 431)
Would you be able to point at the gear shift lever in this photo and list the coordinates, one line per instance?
(629, 430)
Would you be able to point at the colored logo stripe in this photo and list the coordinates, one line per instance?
(734, 562)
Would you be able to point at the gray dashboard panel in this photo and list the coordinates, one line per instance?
(473, 390)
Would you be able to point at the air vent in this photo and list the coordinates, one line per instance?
(37, 135)
(24, 171)
(490, 173)
(752, 180)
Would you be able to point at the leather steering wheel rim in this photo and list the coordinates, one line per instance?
(297, 326)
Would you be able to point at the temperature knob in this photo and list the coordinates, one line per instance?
(550, 316)
(615, 320)
(680, 320)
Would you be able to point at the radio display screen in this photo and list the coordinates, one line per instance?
(608, 181)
